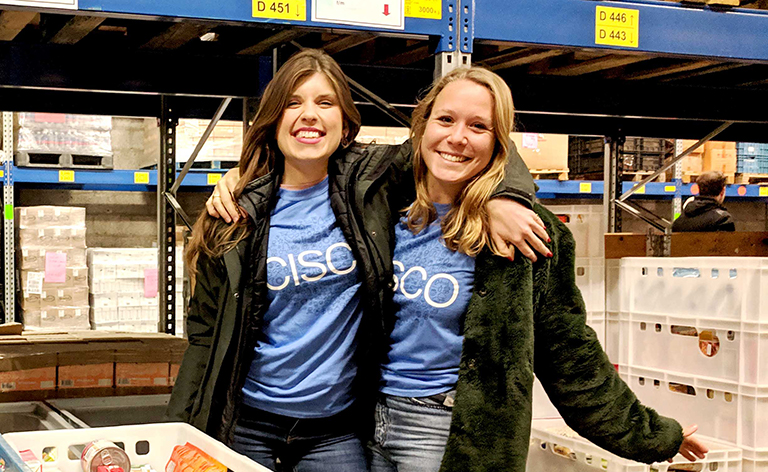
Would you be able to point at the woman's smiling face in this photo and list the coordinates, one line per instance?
(312, 123)
(458, 140)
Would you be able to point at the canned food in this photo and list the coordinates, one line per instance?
(101, 456)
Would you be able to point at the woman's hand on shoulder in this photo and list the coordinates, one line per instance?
(221, 203)
(692, 448)
(513, 226)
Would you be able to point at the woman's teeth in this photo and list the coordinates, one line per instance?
(453, 157)
(308, 134)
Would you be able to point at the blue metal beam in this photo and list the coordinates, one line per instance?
(202, 180)
(125, 180)
(665, 28)
(238, 11)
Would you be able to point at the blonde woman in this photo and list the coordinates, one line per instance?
(471, 328)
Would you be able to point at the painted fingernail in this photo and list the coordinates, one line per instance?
(549, 254)
(549, 240)
(511, 258)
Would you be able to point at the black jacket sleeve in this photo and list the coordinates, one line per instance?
(576, 373)
(201, 323)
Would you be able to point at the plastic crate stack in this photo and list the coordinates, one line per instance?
(752, 158)
(586, 155)
(54, 276)
(690, 336)
(587, 224)
(60, 133)
(124, 290)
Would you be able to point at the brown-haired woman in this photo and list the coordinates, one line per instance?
(456, 385)
(284, 324)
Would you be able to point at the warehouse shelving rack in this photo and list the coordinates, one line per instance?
(162, 75)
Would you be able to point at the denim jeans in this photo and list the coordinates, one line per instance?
(288, 444)
(411, 434)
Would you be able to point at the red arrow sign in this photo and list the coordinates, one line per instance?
(386, 10)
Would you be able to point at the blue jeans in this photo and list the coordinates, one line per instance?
(411, 434)
(288, 444)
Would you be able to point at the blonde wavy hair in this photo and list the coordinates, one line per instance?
(465, 227)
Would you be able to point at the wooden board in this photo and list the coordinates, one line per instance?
(744, 179)
(618, 245)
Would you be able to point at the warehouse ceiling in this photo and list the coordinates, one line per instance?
(58, 61)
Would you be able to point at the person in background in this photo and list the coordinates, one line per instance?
(706, 212)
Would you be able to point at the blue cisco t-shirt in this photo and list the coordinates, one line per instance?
(303, 365)
(433, 286)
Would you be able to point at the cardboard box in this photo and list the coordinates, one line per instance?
(724, 145)
(134, 374)
(87, 365)
(542, 151)
(33, 259)
(59, 318)
(25, 367)
(43, 216)
(174, 374)
(723, 160)
(75, 277)
(52, 237)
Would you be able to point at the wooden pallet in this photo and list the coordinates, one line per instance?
(551, 174)
(637, 176)
(62, 160)
(744, 179)
(691, 177)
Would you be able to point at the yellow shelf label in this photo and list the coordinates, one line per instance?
(141, 177)
(213, 178)
(2, 174)
(669, 188)
(585, 187)
(617, 26)
(66, 176)
(640, 190)
(295, 10)
(430, 9)
(763, 191)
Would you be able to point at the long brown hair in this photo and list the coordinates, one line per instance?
(213, 237)
(465, 227)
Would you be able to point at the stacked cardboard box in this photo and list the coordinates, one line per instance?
(543, 151)
(713, 155)
(124, 289)
(86, 363)
(382, 135)
(54, 276)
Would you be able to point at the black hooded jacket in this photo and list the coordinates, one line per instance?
(704, 214)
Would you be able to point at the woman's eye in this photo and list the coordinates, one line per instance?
(480, 126)
(293, 103)
(444, 119)
(326, 103)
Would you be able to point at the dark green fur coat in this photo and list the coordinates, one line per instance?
(525, 318)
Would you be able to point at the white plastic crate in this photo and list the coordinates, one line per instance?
(754, 460)
(158, 440)
(554, 447)
(726, 411)
(542, 407)
(706, 287)
(596, 321)
(722, 349)
(590, 278)
(587, 224)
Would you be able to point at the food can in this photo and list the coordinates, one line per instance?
(103, 453)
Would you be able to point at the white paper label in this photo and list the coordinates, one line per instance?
(35, 282)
